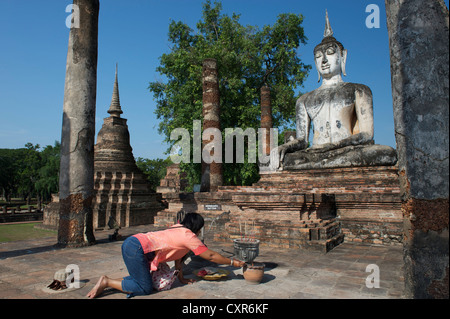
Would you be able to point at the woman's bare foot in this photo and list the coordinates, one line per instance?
(102, 283)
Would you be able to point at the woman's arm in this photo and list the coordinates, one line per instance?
(209, 255)
(217, 258)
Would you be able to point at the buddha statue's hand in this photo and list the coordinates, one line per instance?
(277, 154)
(274, 158)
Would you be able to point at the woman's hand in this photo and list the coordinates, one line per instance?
(238, 263)
(217, 258)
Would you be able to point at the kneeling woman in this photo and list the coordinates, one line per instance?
(143, 252)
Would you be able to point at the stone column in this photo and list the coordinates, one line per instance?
(76, 182)
(212, 174)
(418, 39)
(266, 117)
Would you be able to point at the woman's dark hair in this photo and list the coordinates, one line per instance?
(193, 221)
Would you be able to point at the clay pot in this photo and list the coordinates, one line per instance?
(253, 273)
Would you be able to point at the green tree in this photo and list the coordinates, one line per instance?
(155, 170)
(248, 57)
(11, 167)
(7, 173)
(48, 173)
(29, 170)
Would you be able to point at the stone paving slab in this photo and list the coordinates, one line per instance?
(27, 267)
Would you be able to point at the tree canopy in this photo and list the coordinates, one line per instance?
(29, 172)
(155, 170)
(248, 57)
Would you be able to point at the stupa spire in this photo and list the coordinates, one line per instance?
(115, 108)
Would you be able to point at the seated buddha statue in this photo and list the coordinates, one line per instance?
(341, 114)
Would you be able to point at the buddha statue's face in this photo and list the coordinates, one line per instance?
(328, 60)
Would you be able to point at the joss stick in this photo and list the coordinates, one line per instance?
(253, 231)
(240, 229)
(245, 231)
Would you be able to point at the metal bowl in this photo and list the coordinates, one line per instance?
(246, 250)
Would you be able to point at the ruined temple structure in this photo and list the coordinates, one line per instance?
(284, 208)
(313, 210)
(121, 189)
(174, 181)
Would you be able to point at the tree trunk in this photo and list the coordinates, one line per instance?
(76, 182)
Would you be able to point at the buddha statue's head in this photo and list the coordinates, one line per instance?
(329, 55)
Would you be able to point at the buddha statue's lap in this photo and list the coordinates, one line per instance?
(348, 156)
(342, 118)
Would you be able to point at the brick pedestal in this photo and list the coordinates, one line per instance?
(280, 218)
(314, 209)
(368, 202)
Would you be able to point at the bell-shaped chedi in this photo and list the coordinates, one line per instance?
(122, 190)
(113, 151)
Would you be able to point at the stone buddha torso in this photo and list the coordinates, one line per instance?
(332, 111)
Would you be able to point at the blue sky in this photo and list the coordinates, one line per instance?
(133, 33)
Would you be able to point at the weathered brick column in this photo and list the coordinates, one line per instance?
(212, 174)
(418, 38)
(76, 182)
(266, 117)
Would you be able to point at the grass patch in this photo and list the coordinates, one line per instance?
(24, 231)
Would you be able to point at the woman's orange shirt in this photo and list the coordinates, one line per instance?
(170, 244)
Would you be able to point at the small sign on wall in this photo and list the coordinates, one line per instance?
(212, 207)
